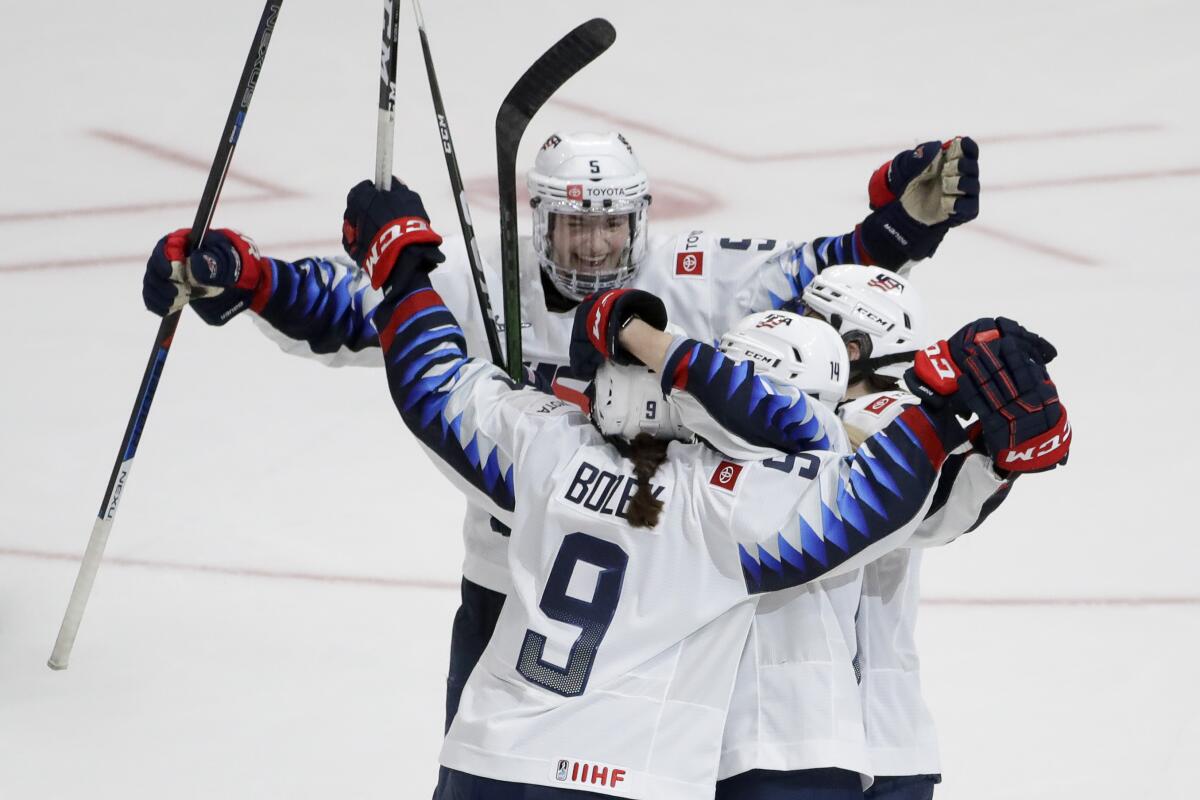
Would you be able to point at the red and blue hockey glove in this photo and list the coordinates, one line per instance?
(996, 369)
(599, 319)
(917, 197)
(388, 233)
(221, 279)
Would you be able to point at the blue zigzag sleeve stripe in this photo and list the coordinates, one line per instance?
(888, 481)
(746, 405)
(426, 358)
(316, 301)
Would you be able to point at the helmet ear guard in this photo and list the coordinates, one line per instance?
(627, 400)
(878, 309)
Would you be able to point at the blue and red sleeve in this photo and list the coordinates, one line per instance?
(327, 304)
(762, 413)
(881, 489)
(425, 354)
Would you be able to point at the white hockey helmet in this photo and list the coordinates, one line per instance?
(589, 196)
(628, 400)
(805, 352)
(874, 307)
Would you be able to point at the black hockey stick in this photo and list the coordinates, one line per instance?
(385, 131)
(460, 198)
(162, 344)
(567, 56)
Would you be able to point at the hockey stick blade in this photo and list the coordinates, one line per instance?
(566, 57)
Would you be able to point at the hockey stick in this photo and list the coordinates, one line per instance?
(567, 56)
(385, 130)
(460, 198)
(158, 356)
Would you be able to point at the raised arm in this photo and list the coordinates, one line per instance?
(915, 198)
(474, 422)
(853, 512)
(742, 414)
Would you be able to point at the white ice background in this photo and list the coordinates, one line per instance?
(273, 617)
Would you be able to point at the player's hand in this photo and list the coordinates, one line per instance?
(219, 279)
(599, 319)
(917, 197)
(996, 369)
(383, 229)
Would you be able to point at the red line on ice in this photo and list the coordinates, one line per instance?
(416, 583)
(841, 152)
(138, 258)
(1031, 245)
(1081, 180)
(241, 572)
(176, 157)
(115, 210)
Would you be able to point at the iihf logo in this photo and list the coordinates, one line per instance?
(563, 766)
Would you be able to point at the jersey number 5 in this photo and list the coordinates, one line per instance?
(592, 617)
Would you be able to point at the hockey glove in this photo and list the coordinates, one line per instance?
(598, 322)
(220, 280)
(918, 196)
(996, 369)
(388, 234)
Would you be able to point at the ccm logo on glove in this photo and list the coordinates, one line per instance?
(391, 239)
(1043, 453)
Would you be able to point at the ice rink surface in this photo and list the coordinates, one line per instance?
(273, 616)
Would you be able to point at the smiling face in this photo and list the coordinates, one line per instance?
(589, 244)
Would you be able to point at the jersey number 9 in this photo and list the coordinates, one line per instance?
(592, 617)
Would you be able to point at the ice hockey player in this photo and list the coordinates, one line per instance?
(879, 315)
(611, 663)
(591, 200)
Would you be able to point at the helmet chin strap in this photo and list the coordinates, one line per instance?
(865, 366)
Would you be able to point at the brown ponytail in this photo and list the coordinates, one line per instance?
(647, 454)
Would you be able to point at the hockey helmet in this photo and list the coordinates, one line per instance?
(806, 353)
(876, 308)
(589, 196)
(628, 400)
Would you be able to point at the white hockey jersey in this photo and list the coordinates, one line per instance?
(707, 282)
(810, 648)
(612, 662)
(900, 735)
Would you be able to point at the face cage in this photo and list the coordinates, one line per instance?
(570, 282)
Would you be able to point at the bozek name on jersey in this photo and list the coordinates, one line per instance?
(581, 772)
(604, 492)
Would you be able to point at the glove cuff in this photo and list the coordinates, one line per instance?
(388, 243)
(879, 193)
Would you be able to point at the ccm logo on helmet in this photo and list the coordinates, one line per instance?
(690, 264)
